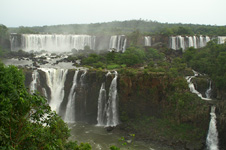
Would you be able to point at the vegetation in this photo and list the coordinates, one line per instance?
(209, 60)
(147, 27)
(26, 120)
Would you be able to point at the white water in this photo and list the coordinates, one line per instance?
(34, 82)
(70, 109)
(221, 39)
(212, 137)
(55, 80)
(118, 42)
(147, 41)
(56, 42)
(112, 104)
(179, 42)
(192, 87)
(101, 114)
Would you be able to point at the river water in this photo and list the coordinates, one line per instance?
(100, 139)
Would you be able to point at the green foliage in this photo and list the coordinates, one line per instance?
(27, 121)
(210, 60)
(114, 148)
(132, 28)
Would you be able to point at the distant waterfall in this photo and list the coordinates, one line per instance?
(70, 109)
(83, 77)
(212, 137)
(101, 114)
(56, 42)
(221, 39)
(192, 87)
(147, 41)
(118, 42)
(34, 82)
(55, 80)
(107, 114)
(179, 42)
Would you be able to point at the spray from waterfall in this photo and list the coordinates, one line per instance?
(70, 109)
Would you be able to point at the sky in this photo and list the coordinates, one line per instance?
(15, 13)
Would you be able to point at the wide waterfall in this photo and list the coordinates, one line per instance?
(212, 137)
(56, 42)
(55, 80)
(118, 43)
(147, 41)
(70, 109)
(180, 42)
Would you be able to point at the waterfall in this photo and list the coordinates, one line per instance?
(107, 114)
(33, 85)
(177, 42)
(101, 114)
(221, 39)
(208, 91)
(55, 80)
(118, 42)
(112, 109)
(56, 42)
(212, 136)
(83, 77)
(70, 109)
(147, 41)
(192, 87)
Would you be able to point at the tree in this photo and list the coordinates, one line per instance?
(27, 121)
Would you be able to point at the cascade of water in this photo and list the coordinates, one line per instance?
(221, 39)
(124, 46)
(83, 77)
(112, 109)
(190, 42)
(101, 114)
(192, 87)
(70, 109)
(212, 136)
(55, 80)
(208, 91)
(33, 85)
(56, 43)
(173, 43)
(147, 41)
(118, 42)
(201, 41)
(195, 42)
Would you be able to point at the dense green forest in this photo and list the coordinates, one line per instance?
(146, 27)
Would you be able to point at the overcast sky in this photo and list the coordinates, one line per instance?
(14, 13)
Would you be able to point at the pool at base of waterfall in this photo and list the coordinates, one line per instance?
(100, 139)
